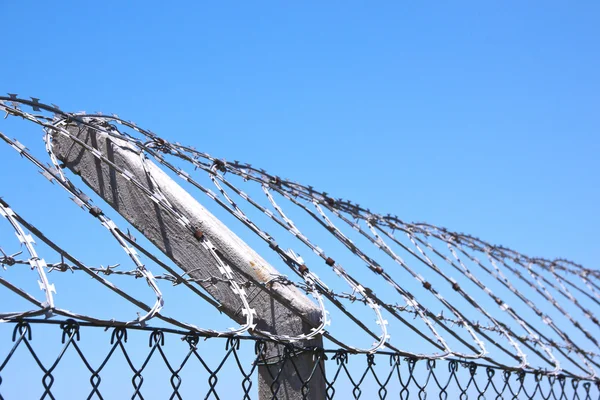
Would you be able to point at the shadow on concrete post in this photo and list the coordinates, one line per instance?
(288, 374)
(283, 310)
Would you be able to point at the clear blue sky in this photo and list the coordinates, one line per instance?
(478, 116)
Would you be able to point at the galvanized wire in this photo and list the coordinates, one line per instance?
(428, 247)
(189, 369)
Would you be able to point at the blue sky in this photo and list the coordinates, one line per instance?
(478, 116)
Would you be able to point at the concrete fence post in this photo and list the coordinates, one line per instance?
(162, 229)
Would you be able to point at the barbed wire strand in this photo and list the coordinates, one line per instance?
(312, 284)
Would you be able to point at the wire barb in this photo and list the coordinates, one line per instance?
(491, 283)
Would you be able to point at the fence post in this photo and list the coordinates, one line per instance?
(274, 309)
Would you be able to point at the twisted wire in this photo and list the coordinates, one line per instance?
(380, 232)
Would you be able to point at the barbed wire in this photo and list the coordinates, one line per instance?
(425, 245)
(62, 266)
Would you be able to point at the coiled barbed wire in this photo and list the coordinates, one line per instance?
(378, 229)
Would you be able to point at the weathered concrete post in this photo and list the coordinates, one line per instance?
(161, 228)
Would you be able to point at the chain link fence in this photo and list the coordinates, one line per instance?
(66, 359)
